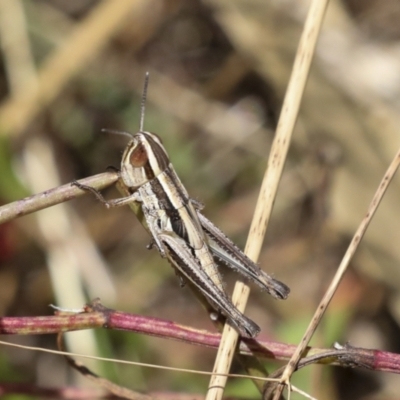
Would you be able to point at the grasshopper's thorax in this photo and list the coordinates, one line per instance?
(144, 159)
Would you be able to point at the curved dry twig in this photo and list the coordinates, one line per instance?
(54, 196)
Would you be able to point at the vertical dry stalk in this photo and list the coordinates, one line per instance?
(39, 170)
(71, 257)
(270, 183)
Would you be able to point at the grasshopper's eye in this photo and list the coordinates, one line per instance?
(138, 157)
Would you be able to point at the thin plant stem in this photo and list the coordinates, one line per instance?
(54, 196)
(323, 305)
(270, 183)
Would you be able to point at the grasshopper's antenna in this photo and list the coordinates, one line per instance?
(143, 104)
(117, 132)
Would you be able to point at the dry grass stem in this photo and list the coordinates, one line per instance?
(270, 182)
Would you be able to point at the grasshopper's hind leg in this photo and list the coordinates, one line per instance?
(182, 258)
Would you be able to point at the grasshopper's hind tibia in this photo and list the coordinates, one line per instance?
(183, 260)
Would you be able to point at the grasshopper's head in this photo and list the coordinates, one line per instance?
(144, 158)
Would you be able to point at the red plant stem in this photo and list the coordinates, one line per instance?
(96, 315)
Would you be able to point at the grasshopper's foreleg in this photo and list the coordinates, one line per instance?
(109, 203)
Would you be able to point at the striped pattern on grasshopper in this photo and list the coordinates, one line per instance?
(179, 230)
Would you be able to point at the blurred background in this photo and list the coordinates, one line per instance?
(218, 74)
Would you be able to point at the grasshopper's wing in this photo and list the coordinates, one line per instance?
(182, 258)
(224, 249)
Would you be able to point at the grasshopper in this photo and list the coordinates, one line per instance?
(179, 230)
